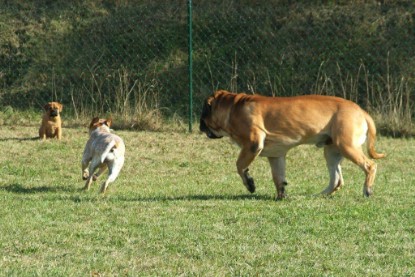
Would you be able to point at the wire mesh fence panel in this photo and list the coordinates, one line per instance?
(279, 49)
(360, 50)
(106, 59)
(124, 56)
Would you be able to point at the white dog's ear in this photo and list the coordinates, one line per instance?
(108, 122)
(94, 121)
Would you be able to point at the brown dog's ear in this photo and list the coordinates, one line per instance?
(46, 106)
(60, 107)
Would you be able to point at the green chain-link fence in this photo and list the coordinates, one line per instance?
(107, 56)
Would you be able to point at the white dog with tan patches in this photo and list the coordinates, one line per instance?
(103, 150)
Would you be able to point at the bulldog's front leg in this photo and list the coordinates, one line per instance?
(246, 156)
(278, 175)
(58, 133)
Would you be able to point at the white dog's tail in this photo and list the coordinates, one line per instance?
(109, 148)
(371, 137)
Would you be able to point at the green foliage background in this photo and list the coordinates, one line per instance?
(88, 53)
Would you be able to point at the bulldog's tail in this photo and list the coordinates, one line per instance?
(371, 138)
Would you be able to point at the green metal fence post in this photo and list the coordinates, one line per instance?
(190, 59)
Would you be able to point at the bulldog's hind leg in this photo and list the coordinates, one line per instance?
(42, 133)
(357, 156)
(278, 175)
(333, 160)
(248, 153)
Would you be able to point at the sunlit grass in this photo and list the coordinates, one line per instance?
(179, 208)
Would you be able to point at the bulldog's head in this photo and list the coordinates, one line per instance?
(53, 108)
(214, 113)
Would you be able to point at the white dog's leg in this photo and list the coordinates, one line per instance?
(92, 167)
(333, 160)
(114, 168)
(85, 171)
(278, 175)
(101, 170)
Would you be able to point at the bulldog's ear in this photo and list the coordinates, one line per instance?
(207, 107)
(60, 107)
(219, 93)
(46, 106)
(209, 101)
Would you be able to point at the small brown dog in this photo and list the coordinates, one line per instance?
(51, 122)
(103, 150)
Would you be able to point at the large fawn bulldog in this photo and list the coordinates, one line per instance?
(271, 126)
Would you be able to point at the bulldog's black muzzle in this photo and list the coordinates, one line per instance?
(205, 129)
(53, 113)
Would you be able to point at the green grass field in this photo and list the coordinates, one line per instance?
(179, 208)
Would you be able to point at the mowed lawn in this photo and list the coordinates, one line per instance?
(179, 208)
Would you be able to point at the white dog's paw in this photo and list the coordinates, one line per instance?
(85, 175)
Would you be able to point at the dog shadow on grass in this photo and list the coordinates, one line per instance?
(21, 189)
(80, 194)
(20, 139)
(196, 197)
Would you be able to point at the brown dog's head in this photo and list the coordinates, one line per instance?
(214, 113)
(53, 108)
(99, 123)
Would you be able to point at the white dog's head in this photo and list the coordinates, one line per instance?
(100, 124)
